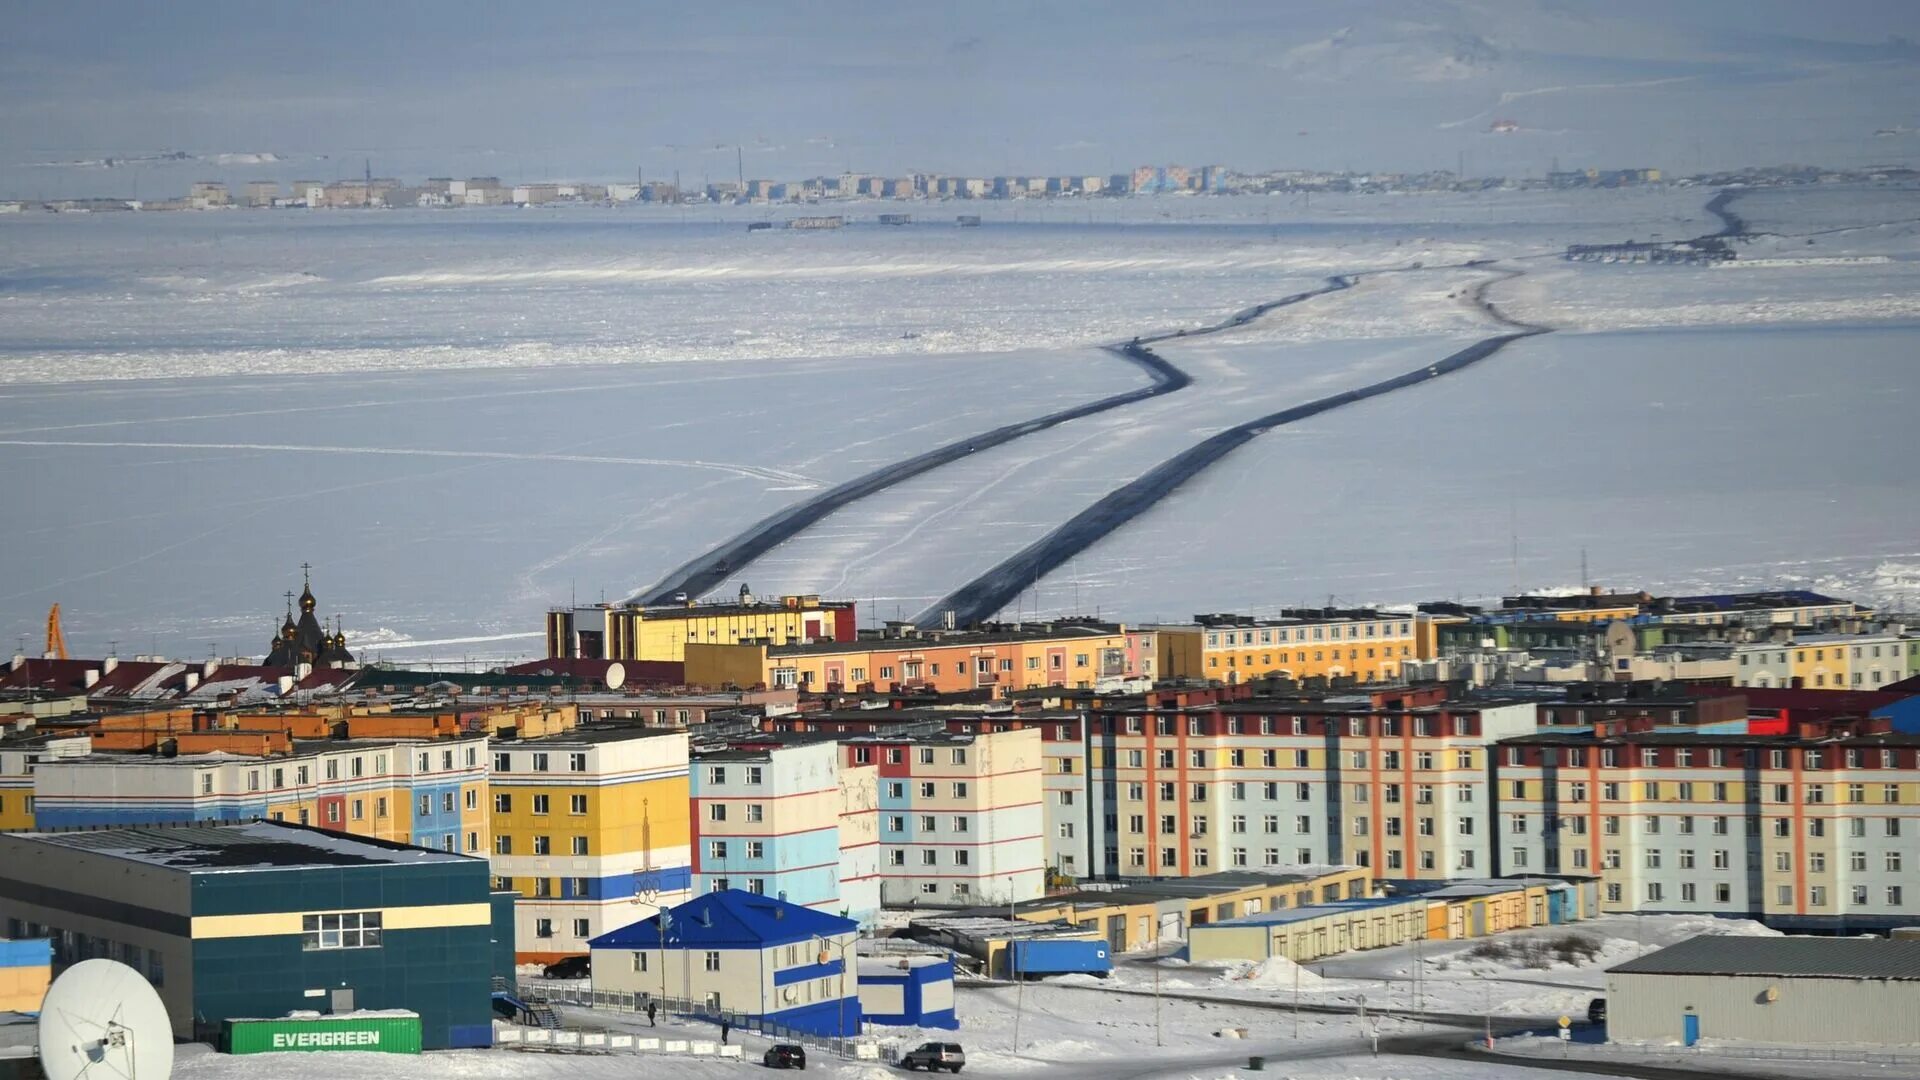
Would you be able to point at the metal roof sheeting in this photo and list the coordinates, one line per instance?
(1804, 957)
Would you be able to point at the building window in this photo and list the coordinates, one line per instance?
(541, 805)
(713, 960)
(576, 804)
(347, 930)
(580, 845)
(543, 928)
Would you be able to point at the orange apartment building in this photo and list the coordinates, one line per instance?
(1078, 654)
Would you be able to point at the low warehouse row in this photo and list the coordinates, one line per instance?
(1459, 911)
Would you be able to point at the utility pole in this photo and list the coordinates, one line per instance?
(1156, 1002)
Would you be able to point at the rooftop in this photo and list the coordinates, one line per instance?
(1799, 957)
(592, 735)
(729, 919)
(1315, 911)
(250, 845)
(948, 639)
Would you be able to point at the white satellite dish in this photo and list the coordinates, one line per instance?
(103, 1019)
(616, 675)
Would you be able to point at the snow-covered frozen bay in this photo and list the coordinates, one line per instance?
(461, 418)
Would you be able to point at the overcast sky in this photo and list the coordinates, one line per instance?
(531, 91)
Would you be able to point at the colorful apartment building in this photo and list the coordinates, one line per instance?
(961, 819)
(1826, 661)
(1183, 783)
(767, 821)
(1785, 607)
(1814, 828)
(662, 632)
(430, 794)
(591, 829)
(1365, 645)
(1077, 654)
(859, 840)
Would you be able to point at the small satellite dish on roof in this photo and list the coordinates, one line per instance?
(616, 675)
(102, 1018)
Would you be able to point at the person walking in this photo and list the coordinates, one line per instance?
(724, 1029)
(651, 1009)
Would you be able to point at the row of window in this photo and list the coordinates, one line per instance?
(897, 823)
(582, 930)
(546, 888)
(1685, 824)
(1859, 895)
(542, 845)
(1269, 635)
(537, 761)
(1839, 653)
(1302, 792)
(1201, 858)
(1358, 726)
(541, 805)
(1686, 757)
(897, 755)
(1717, 791)
(1237, 757)
(1319, 656)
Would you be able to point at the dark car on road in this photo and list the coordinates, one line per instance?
(1597, 1010)
(569, 967)
(785, 1056)
(935, 1056)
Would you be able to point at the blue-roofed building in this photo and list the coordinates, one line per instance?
(757, 957)
(1309, 933)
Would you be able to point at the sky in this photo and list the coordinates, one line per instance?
(598, 91)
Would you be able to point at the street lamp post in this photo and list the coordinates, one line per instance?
(825, 947)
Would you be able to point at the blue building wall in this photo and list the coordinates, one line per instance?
(433, 825)
(1904, 714)
(913, 984)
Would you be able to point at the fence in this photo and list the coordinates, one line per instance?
(580, 994)
(608, 1042)
(1732, 1051)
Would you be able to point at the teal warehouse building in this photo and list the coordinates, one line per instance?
(262, 918)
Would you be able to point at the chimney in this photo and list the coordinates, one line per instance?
(286, 685)
(207, 669)
(107, 665)
(192, 680)
(19, 661)
(92, 676)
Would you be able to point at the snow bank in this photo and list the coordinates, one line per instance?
(1277, 972)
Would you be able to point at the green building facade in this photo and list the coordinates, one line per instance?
(260, 919)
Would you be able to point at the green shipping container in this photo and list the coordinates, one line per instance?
(392, 1034)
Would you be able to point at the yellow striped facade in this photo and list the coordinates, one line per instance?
(280, 923)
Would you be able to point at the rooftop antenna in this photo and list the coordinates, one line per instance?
(740, 167)
(1583, 568)
(366, 196)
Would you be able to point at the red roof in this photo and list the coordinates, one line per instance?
(1812, 704)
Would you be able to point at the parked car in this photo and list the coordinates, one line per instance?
(785, 1056)
(1597, 1010)
(569, 967)
(935, 1056)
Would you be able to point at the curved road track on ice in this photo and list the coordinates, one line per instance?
(701, 574)
(984, 596)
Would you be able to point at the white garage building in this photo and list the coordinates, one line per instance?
(1795, 990)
